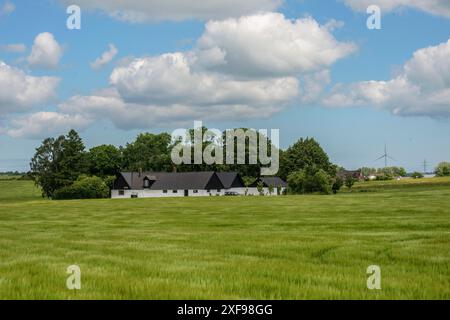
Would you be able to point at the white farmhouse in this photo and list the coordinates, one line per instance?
(166, 184)
(277, 184)
(188, 184)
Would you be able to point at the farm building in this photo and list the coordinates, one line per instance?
(279, 186)
(232, 182)
(185, 184)
(356, 174)
(163, 184)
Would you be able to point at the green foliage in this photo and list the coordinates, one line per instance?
(393, 171)
(279, 190)
(337, 185)
(84, 188)
(305, 153)
(390, 171)
(260, 188)
(104, 160)
(248, 180)
(109, 181)
(296, 182)
(271, 189)
(149, 152)
(417, 175)
(349, 181)
(443, 169)
(248, 169)
(310, 181)
(320, 182)
(384, 177)
(57, 163)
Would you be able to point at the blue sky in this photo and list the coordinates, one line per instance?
(353, 133)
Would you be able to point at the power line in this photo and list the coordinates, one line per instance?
(425, 166)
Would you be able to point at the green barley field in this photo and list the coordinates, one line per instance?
(295, 247)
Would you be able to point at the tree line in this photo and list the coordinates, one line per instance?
(63, 168)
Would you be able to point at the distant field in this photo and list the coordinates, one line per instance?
(296, 247)
(9, 177)
(401, 185)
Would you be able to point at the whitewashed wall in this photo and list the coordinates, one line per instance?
(161, 194)
(180, 193)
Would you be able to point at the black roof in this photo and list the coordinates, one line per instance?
(231, 180)
(173, 180)
(270, 181)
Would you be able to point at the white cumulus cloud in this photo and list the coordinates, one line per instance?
(436, 7)
(176, 10)
(20, 91)
(46, 52)
(44, 124)
(268, 44)
(105, 58)
(251, 67)
(422, 87)
(170, 79)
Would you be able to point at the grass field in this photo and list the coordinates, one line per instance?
(305, 247)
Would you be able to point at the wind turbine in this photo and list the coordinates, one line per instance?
(385, 156)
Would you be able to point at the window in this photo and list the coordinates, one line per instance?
(146, 183)
(195, 191)
(209, 191)
(174, 191)
(164, 191)
(218, 190)
(121, 192)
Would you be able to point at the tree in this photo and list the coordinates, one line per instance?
(310, 181)
(73, 158)
(417, 175)
(208, 140)
(296, 182)
(305, 153)
(443, 169)
(271, 189)
(349, 181)
(104, 160)
(247, 182)
(44, 166)
(319, 182)
(337, 185)
(149, 152)
(247, 169)
(58, 162)
(260, 188)
(393, 171)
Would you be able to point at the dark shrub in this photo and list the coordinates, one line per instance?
(83, 188)
(337, 185)
(384, 177)
(417, 175)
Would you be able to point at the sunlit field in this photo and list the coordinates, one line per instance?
(294, 247)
